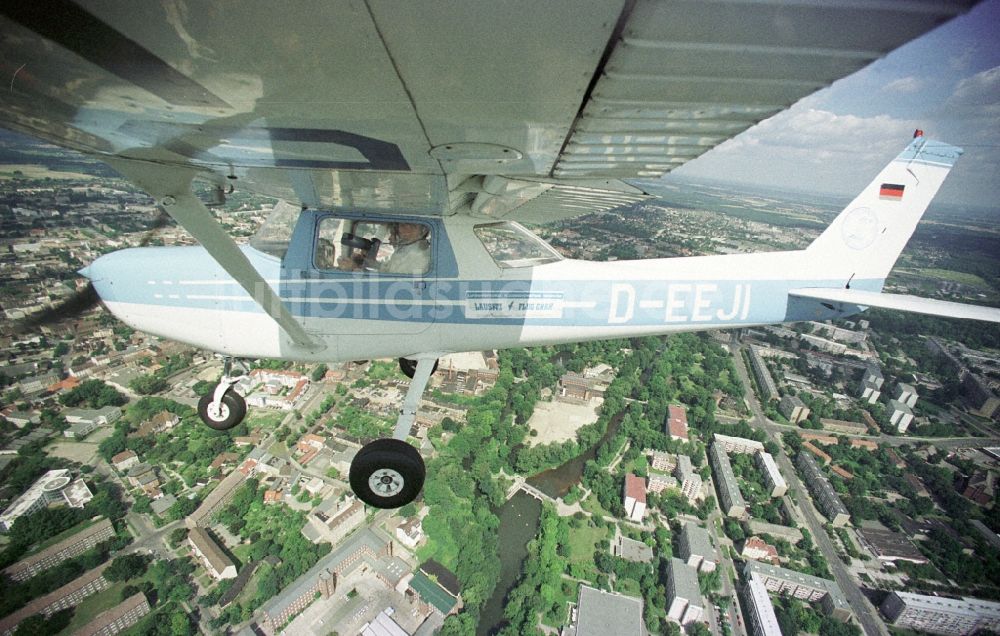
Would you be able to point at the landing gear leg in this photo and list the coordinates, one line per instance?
(389, 473)
(224, 408)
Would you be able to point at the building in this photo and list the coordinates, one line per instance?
(660, 461)
(941, 615)
(695, 548)
(124, 460)
(873, 375)
(410, 532)
(118, 618)
(657, 482)
(581, 387)
(95, 532)
(900, 415)
(684, 602)
(677, 423)
(889, 546)
(203, 546)
(730, 499)
(843, 426)
(69, 595)
(759, 550)
(906, 394)
(368, 547)
(803, 586)
(215, 500)
(738, 444)
(793, 408)
(789, 534)
(991, 537)
(980, 395)
(635, 497)
(772, 476)
(46, 490)
(689, 480)
(759, 611)
(98, 417)
(77, 494)
(768, 389)
(827, 500)
(631, 550)
(334, 519)
(869, 391)
(979, 487)
(600, 613)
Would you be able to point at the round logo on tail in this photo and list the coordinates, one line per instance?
(860, 228)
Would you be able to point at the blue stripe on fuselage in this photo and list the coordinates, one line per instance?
(190, 278)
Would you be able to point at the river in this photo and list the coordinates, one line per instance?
(518, 525)
(556, 482)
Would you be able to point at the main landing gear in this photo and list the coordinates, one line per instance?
(389, 473)
(224, 408)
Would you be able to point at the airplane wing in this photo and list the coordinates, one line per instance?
(520, 109)
(900, 302)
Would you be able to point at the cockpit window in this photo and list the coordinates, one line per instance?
(511, 245)
(352, 245)
(274, 235)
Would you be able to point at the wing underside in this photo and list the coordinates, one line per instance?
(900, 302)
(382, 105)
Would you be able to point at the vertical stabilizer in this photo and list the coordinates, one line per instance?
(868, 236)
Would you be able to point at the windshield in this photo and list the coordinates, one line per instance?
(275, 233)
(511, 245)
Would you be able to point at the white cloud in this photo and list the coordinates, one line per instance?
(905, 85)
(976, 96)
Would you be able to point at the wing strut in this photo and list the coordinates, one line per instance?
(171, 187)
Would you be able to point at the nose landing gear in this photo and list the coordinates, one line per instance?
(389, 473)
(224, 408)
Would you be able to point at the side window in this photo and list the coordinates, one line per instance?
(511, 245)
(352, 245)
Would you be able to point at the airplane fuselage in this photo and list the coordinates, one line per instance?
(464, 302)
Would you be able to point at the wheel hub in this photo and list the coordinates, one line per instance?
(218, 414)
(386, 482)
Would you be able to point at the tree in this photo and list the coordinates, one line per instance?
(127, 567)
(148, 384)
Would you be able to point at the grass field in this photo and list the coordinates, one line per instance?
(964, 278)
(33, 171)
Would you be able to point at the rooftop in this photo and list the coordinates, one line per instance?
(602, 613)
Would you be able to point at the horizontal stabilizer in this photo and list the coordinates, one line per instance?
(900, 302)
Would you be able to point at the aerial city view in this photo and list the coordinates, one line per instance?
(816, 477)
(575, 318)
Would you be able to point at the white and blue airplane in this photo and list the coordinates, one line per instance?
(410, 139)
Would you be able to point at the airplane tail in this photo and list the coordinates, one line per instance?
(865, 240)
(868, 236)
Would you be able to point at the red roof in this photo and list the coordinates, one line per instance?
(677, 421)
(122, 456)
(635, 487)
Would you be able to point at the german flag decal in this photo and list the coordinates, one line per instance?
(891, 191)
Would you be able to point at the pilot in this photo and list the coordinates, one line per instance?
(412, 250)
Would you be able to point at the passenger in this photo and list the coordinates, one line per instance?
(326, 254)
(411, 249)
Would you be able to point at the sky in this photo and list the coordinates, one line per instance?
(946, 83)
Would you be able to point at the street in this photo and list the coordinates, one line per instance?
(866, 614)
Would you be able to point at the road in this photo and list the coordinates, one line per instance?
(865, 612)
(728, 584)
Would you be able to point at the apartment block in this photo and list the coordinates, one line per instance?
(827, 500)
(71, 546)
(772, 476)
(941, 615)
(730, 499)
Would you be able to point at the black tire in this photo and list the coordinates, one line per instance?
(233, 407)
(409, 367)
(392, 462)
